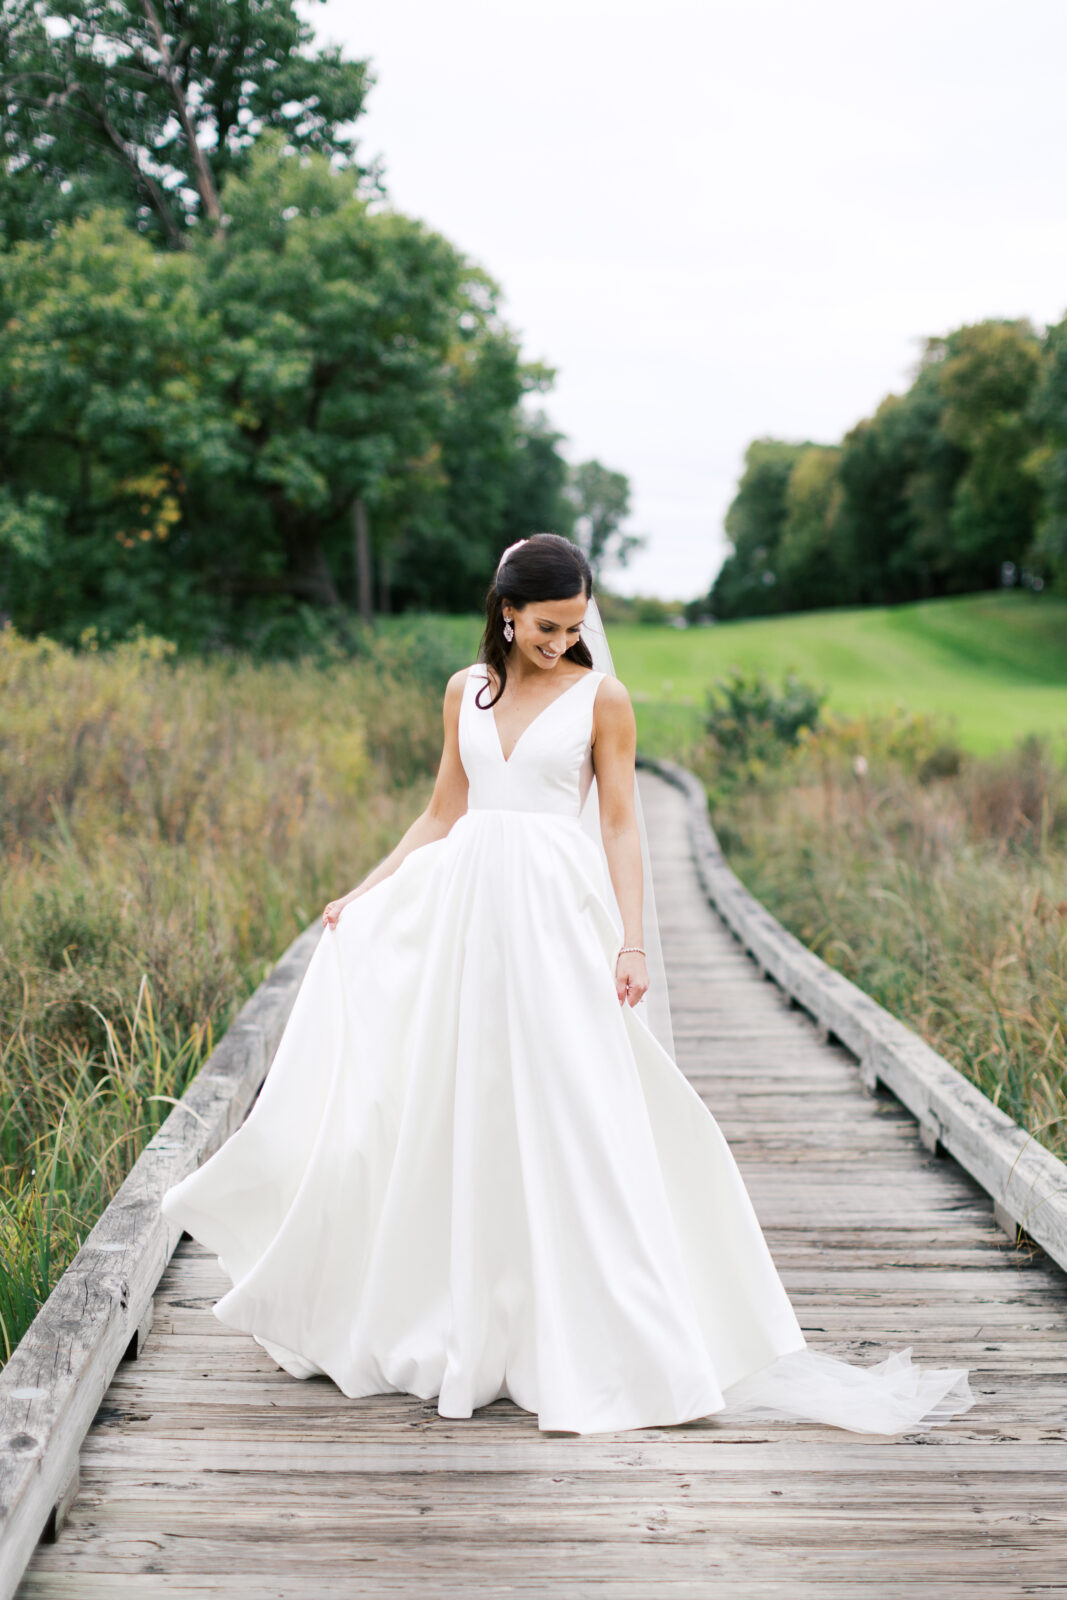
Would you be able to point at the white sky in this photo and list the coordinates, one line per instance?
(723, 221)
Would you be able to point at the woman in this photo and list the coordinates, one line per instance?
(474, 1169)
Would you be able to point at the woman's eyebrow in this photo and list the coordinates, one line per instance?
(570, 625)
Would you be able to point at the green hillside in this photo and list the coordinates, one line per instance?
(996, 664)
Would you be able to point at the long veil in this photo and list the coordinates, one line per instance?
(805, 1385)
(654, 1009)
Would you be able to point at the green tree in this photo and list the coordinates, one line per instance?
(1049, 412)
(538, 501)
(338, 321)
(928, 496)
(332, 413)
(988, 374)
(898, 476)
(810, 561)
(746, 584)
(601, 500)
(445, 528)
(252, 400)
(150, 105)
(109, 399)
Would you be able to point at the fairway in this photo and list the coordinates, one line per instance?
(994, 665)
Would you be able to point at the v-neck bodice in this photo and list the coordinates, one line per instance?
(550, 766)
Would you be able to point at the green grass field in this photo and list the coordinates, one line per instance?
(994, 665)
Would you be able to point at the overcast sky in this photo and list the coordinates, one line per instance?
(723, 221)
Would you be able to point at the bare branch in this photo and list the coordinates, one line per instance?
(205, 183)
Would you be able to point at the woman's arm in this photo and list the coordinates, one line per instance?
(614, 752)
(448, 801)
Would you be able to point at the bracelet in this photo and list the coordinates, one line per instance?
(635, 948)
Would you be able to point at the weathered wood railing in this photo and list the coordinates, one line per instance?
(99, 1313)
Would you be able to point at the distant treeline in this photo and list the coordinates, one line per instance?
(236, 386)
(960, 484)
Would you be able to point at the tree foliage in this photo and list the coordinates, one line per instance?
(149, 105)
(204, 423)
(955, 485)
(108, 399)
(1049, 459)
(601, 501)
(746, 585)
(235, 383)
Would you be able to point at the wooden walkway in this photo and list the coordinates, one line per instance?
(209, 1472)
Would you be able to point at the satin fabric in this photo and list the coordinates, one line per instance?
(471, 1174)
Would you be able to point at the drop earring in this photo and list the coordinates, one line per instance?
(509, 631)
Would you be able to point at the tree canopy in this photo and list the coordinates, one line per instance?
(234, 381)
(149, 105)
(958, 484)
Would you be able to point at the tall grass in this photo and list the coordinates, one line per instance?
(168, 826)
(936, 881)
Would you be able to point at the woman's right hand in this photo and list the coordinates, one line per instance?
(333, 912)
(335, 907)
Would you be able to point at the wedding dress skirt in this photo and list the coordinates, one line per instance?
(471, 1174)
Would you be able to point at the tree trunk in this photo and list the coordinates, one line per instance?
(143, 180)
(311, 576)
(202, 175)
(309, 572)
(364, 561)
(385, 583)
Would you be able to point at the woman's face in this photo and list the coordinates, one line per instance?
(545, 628)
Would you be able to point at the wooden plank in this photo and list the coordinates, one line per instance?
(339, 1496)
(703, 1445)
(654, 1550)
(722, 1586)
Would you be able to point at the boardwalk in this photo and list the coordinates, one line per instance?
(210, 1473)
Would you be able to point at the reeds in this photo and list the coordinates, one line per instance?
(935, 881)
(168, 826)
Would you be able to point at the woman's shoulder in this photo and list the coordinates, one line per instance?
(454, 691)
(457, 682)
(456, 687)
(613, 712)
(612, 692)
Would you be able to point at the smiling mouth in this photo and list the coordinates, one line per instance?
(547, 654)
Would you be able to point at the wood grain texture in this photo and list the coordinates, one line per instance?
(209, 1472)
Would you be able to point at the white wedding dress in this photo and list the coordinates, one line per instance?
(470, 1173)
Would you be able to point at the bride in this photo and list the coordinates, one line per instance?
(474, 1169)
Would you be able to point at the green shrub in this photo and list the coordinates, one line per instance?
(752, 727)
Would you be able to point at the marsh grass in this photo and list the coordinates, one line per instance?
(936, 881)
(168, 826)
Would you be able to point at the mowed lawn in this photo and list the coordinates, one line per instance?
(993, 666)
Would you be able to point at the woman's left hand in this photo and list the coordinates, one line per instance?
(631, 977)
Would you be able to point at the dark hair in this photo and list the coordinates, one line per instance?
(544, 567)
